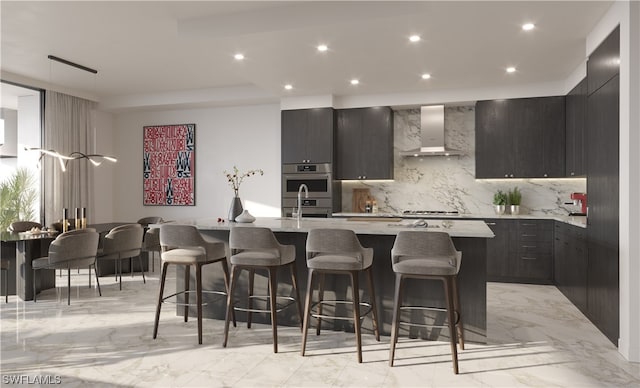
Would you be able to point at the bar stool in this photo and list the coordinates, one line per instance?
(4, 268)
(338, 251)
(427, 255)
(184, 245)
(254, 249)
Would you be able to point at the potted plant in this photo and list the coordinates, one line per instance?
(17, 196)
(500, 202)
(515, 197)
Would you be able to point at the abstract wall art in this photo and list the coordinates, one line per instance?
(169, 165)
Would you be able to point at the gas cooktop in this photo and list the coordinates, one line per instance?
(430, 214)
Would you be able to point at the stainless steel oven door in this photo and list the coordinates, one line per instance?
(311, 207)
(319, 185)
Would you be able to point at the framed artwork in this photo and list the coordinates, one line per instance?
(169, 165)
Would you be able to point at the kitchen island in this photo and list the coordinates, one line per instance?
(469, 236)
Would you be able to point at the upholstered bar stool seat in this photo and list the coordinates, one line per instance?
(338, 251)
(427, 255)
(257, 249)
(184, 245)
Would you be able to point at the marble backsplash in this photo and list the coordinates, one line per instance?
(448, 183)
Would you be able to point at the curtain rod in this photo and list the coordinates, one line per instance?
(61, 60)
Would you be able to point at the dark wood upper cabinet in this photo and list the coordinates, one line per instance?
(576, 110)
(364, 143)
(308, 135)
(520, 138)
(604, 62)
(492, 139)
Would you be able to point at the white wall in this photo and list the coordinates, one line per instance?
(245, 136)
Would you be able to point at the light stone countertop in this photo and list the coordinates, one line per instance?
(580, 221)
(458, 228)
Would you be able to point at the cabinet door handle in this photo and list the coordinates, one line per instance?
(527, 224)
(490, 223)
(529, 258)
(529, 246)
(529, 235)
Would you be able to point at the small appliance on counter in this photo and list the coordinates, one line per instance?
(579, 199)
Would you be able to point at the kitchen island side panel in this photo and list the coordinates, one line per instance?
(471, 283)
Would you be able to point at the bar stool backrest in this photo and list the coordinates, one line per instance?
(150, 220)
(334, 241)
(180, 236)
(253, 238)
(426, 245)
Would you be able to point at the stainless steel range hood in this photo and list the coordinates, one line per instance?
(432, 134)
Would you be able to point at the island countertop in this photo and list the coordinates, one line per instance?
(455, 228)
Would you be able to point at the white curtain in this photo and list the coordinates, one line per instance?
(68, 128)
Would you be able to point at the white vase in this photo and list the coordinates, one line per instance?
(245, 217)
(515, 210)
(499, 209)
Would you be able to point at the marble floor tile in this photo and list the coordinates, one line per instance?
(535, 338)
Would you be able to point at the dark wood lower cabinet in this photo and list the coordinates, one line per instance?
(521, 251)
(570, 259)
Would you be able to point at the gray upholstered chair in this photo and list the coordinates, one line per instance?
(338, 251)
(151, 245)
(73, 249)
(184, 245)
(4, 268)
(150, 220)
(122, 242)
(427, 255)
(23, 226)
(257, 249)
(151, 241)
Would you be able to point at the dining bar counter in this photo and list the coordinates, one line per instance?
(469, 237)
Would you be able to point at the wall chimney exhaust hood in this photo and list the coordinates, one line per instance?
(432, 134)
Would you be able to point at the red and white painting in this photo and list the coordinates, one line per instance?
(169, 165)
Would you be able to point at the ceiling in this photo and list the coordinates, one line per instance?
(153, 47)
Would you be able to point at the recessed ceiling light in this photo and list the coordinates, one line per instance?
(354, 81)
(511, 69)
(414, 38)
(426, 76)
(288, 86)
(528, 26)
(239, 56)
(322, 47)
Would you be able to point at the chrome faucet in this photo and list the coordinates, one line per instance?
(306, 195)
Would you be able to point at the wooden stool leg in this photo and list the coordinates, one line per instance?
(187, 278)
(452, 322)
(355, 288)
(225, 270)
(456, 303)
(296, 291)
(397, 303)
(162, 279)
(199, 300)
(234, 278)
(252, 273)
(273, 287)
(307, 310)
(320, 299)
(374, 308)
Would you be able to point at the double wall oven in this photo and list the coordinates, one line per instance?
(324, 193)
